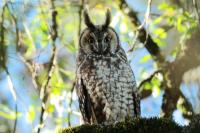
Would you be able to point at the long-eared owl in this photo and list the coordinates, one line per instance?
(105, 82)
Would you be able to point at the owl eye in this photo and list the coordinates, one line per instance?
(91, 40)
(107, 39)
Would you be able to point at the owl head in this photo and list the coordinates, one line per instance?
(98, 39)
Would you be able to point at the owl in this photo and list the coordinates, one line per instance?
(105, 82)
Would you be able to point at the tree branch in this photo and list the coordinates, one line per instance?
(148, 79)
(43, 92)
(182, 64)
(196, 10)
(3, 64)
(172, 91)
(70, 104)
(145, 93)
(150, 45)
(79, 32)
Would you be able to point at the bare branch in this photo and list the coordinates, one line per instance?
(3, 64)
(70, 104)
(43, 91)
(150, 45)
(16, 27)
(2, 41)
(12, 90)
(196, 9)
(172, 91)
(146, 20)
(79, 32)
(80, 16)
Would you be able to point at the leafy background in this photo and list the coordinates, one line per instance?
(33, 75)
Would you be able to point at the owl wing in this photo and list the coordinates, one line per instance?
(89, 113)
(84, 101)
(136, 96)
(136, 102)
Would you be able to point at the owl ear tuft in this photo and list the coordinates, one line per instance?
(108, 18)
(87, 20)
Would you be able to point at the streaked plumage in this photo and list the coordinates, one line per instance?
(105, 83)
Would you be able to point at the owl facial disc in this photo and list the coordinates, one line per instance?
(99, 39)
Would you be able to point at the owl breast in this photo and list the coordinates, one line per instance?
(111, 86)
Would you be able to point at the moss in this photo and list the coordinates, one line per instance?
(143, 125)
(194, 126)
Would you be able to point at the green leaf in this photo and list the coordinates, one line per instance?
(7, 113)
(166, 7)
(160, 32)
(147, 86)
(160, 42)
(50, 108)
(157, 20)
(71, 47)
(9, 116)
(145, 58)
(155, 81)
(30, 115)
(180, 26)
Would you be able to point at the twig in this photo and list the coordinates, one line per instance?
(150, 45)
(144, 23)
(172, 91)
(15, 122)
(147, 15)
(2, 48)
(16, 26)
(3, 61)
(79, 32)
(70, 104)
(148, 79)
(43, 92)
(12, 90)
(80, 17)
(18, 43)
(197, 11)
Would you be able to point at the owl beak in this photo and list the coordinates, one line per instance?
(101, 47)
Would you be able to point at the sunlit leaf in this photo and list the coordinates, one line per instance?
(147, 86)
(30, 115)
(157, 20)
(123, 27)
(7, 113)
(71, 47)
(155, 81)
(145, 58)
(50, 108)
(180, 26)
(160, 32)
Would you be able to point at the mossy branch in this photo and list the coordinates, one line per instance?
(138, 125)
